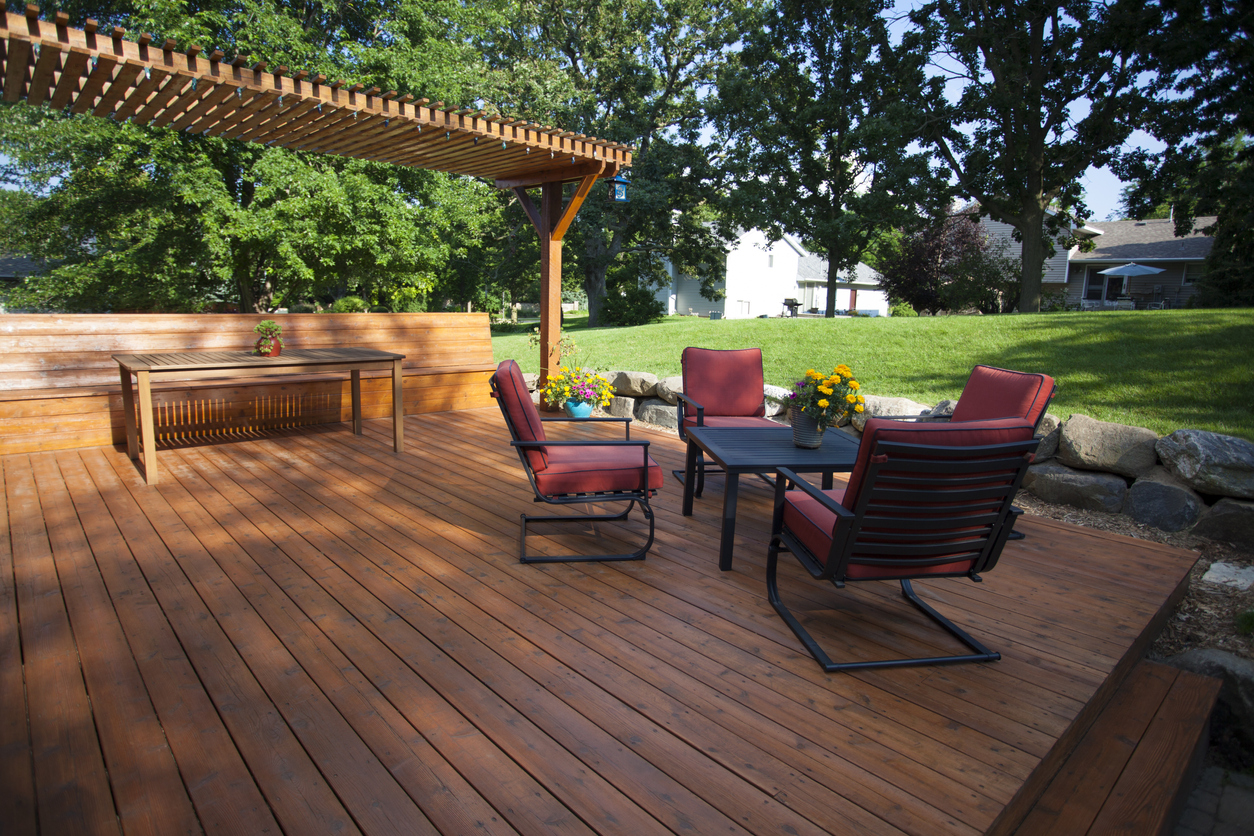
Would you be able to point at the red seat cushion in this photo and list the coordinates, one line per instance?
(731, 421)
(1002, 393)
(723, 382)
(512, 390)
(594, 469)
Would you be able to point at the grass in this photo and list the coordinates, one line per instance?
(1165, 370)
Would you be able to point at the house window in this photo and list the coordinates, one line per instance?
(770, 261)
(1193, 273)
(744, 306)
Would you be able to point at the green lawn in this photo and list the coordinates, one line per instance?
(1165, 370)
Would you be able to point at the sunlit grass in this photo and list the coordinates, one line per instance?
(1164, 370)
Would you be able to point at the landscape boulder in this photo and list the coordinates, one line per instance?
(532, 381)
(622, 407)
(1062, 485)
(774, 407)
(1160, 499)
(943, 411)
(659, 412)
(1210, 463)
(877, 406)
(1048, 448)
(1089, 444)
(634, 384)
(668, 388)
(1231, 520)
(1049, 423)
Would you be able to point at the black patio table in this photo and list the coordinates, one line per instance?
(759, 450)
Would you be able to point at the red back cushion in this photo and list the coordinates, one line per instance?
(1002, 393)
(971, 433)
(512, 390)
(724, 382)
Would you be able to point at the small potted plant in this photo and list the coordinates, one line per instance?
(577, 391)
(269, 343)
(819, 401)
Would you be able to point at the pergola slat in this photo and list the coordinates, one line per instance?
(147, 83)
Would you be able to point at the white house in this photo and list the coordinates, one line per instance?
(761, 276)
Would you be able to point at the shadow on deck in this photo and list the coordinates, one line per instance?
(300, 632)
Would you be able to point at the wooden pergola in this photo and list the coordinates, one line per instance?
(100, 72)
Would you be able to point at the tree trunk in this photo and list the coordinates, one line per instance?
(833, 276)
(1032, 263)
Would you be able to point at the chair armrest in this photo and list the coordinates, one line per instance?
(921, 415)
(698, 407)
(817, 493)
(593, 443)
(600, 419)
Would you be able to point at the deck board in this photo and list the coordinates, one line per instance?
(299, 631)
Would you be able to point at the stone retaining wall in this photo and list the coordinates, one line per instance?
(1188, 479)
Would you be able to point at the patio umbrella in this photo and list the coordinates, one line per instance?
(1131, 269)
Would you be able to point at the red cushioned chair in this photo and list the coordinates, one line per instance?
(923, 501)
(570, 472)
(722, 388)
(998, 393)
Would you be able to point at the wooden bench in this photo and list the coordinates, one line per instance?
(60, 387)
(1133, 770)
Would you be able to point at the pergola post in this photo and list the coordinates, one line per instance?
(551, 222)
(550, 280)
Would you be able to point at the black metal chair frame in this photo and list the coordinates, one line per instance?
(631, 497)
(900, 473)
(701, 465)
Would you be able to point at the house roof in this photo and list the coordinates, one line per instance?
(96, 70)
(17, 267)
(1122, 241)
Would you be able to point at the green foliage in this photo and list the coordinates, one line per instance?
(815, 135)
(1245, 623)
(350, 304)
(633, 71)
(632, 306)
(268, 332)
(950, 266)
(901, 309)
(1200, 58)
(1156, 369)
(1048, 90)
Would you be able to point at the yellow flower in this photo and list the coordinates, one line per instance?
(853, 384)
(861, 399)
(825, 390)
(823, 403)
(851, 398)
(859, 408)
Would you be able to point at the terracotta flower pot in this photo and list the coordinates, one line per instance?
(274, 349)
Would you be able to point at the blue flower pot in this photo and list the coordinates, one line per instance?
(578, 410)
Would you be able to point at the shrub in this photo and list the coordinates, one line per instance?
(1053, 301)
(634, 306)
(1245, 623)
(901, 309)
(350, 304)
(302, 307)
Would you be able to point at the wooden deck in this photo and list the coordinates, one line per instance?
(302, 633)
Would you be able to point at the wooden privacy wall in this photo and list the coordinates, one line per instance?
(60, 387)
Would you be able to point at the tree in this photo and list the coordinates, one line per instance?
(135, 217)
(1048, 89)
(1201, 58)
(631, 71)
(813, 131)
(951, 265)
